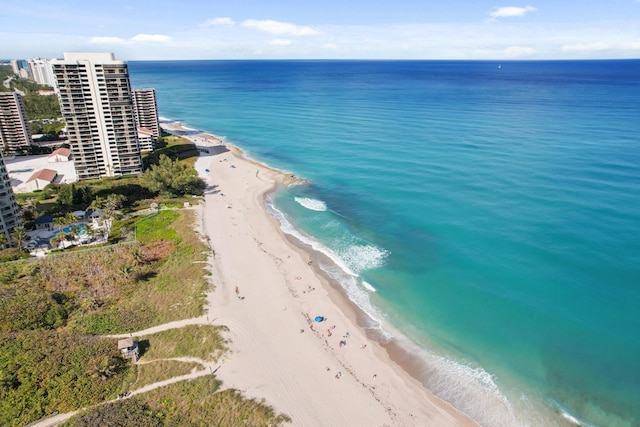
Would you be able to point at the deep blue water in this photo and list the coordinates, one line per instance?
(495, 211)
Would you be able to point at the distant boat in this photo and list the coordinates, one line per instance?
(499, 66)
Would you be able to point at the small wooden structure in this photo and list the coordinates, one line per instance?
(129, 349)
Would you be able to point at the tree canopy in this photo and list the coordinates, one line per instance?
(42, 106)
(172, 177)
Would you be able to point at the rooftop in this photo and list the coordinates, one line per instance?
(44, 174)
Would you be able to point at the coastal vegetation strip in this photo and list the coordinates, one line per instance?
(55, 311)
(160, 370)
(198, 341)
(196, 402)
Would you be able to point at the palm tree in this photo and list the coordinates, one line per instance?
(74, 231)
(91, 232)
(55, 240)
(67, 219)
(3, 240)
(18, 236)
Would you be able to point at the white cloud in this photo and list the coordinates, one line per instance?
(511, 11)
(154, 38)
(506, 53)
(107, 40)
(280, 42)
(599, 47)
(586, 47)
(518, 51)
(276, 27)
(335, 46)
(218, 22)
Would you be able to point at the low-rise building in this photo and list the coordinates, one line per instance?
(40, 179)
(60, 155)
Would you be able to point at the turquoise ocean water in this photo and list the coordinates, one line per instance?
(486, 218)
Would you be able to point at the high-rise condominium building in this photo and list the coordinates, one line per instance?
(41, 71)
(20, 68)
(146, 113)
(14, 127)
(95, 99)
(9, 209)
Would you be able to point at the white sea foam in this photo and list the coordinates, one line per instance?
(566, 415)
(362, 257)
(470, 389)
(339, 270)
(368, 286)
(571, 419)
(313, 204)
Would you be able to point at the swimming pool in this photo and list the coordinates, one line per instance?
(81, 232)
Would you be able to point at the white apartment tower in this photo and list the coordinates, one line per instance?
(14, 127)
(9, 209)
(95, 99)
(41, 71)
(145, 109)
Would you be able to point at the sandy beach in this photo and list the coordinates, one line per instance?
(268, 293)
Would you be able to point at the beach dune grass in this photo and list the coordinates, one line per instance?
(196, 402)
(168, 280)
(200, 341)
(160, 370)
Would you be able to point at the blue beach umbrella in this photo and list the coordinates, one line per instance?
(319, 319)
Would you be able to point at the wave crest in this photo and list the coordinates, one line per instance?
(313, 204)
(362, 257)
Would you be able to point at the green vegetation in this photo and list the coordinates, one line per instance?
(49, 128)
(41, 106)
(174, 147)
(155, 227)
(201, 341)
(37, 106)
(5, 72)
(172, 177)
(48, 306)
(53, 310)
(42, 372)
(160, 370)
(194, 403)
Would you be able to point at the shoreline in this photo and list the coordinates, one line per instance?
(298, 366)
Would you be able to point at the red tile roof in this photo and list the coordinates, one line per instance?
(65, 152)
(44, 174)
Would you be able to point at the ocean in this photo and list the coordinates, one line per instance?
(485, 215)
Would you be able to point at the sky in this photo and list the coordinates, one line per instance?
(322, 29)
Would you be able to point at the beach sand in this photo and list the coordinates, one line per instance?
(267, 293)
